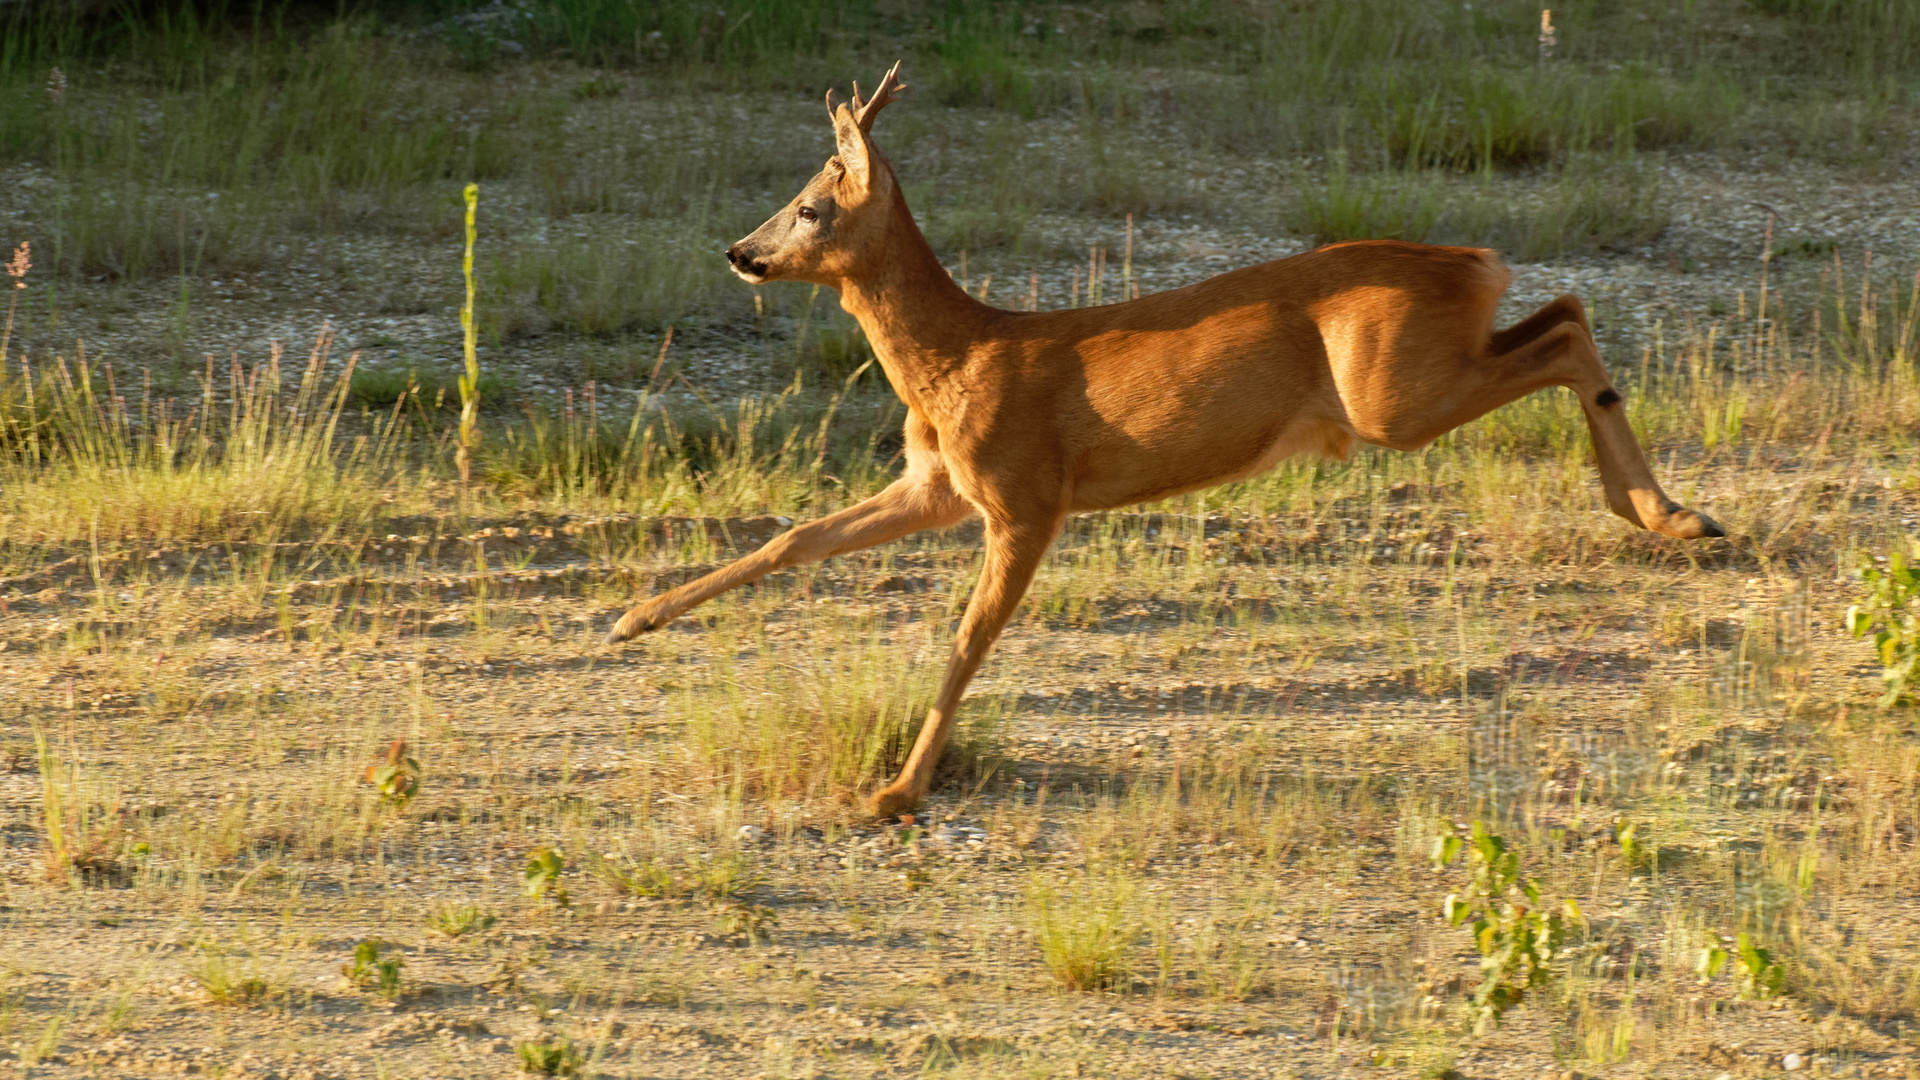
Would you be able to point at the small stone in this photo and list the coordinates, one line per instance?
(1793, 1062)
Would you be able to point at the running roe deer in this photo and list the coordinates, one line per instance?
(1026, 417)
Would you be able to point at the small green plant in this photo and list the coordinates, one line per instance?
(369, 969)
(1517, 939)
(1713, 960)
(640, 878)
(1757, 976)
(397, 779)
(560, 1057)
(542, 876)
(721, 878)
(1606, 1035)
(1085, 933)
(82, 836)
(469, 381)
(713, 880)
(460, 919)
(603, 87)
(227, 983)
(1637, 852)
(755, 922)
(46, 1045)
(1887, 612)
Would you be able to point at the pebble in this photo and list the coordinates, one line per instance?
(1793, 1062)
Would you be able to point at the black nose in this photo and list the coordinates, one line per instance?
(746, 263)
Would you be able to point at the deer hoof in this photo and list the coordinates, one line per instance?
(1690, 525)
(632, 625)
(891, 801)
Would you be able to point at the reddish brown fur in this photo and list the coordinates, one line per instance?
(1024, 418)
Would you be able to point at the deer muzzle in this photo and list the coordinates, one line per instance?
(745, 264)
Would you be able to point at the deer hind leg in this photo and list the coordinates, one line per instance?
(1554, 347)
(1014, 551)
(1562, 309)
(909, 505)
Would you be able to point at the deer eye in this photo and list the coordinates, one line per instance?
(807, 214)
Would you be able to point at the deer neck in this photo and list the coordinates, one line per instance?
(918, 320)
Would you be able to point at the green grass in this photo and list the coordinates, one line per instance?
(385, 386)
(831, 727)
(192, 143)
(335, 451)
(1588, 203)
(603, 285)
(1086, 929)
(1316, 673)
(92, 456)
(1212, 869)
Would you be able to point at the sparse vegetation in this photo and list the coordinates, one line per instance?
(1194, 793)
(1518, 937)
(542, 876)
(232, 978)
(1888, 616)
(559, 1057)
(754, 922)
(83, 836)
(397, 779)
(1086, 929)
(371, 968)
(459, 920)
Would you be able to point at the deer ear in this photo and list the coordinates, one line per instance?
(856, 153)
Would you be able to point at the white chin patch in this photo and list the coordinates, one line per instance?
(751, 279)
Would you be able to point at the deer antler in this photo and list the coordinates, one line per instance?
(887, 92)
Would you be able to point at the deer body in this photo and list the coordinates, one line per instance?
(1026, 417)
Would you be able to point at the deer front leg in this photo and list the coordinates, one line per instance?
(908, 505)
(1014, 551)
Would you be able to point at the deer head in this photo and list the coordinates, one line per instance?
(842, 213)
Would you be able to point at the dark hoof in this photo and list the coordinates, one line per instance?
(1684, 524)
(1694, 525)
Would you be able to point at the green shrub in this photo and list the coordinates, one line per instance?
(556, 1057)
(1517, 937)
(1888, 613)
(369, 969)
